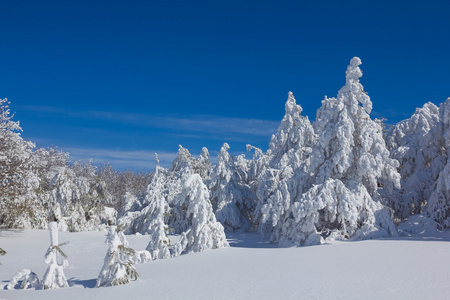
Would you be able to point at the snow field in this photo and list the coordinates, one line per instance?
(406, 268)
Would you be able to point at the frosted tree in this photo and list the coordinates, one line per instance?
(438, 205)
(183, 160)
(293, 142)
(288, 151)
(19, 205)
(182, 165)
(51, 166)
(118, 267)
(418, 144)
(256, 166)
(231, 198)
(202, 165)
(336, 193)
(54, 276)
(159, 245)
(190, 211)
(152, 217)
(351, 162)
(177, 202)
(203, 231)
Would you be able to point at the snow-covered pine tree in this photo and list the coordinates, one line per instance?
(154, 203)
(118, 267)
(51, 167)
(256, 166)
(202, 165)
(191, 213)
(438, 205)
(129, 212)
(231, 198)
(182, 161)
(288, 151)
(171, 205)
(293, 142)
(203, 231)
(337, 197)
(418, 144)
(54, 276)
(152, 220)
(19, 206)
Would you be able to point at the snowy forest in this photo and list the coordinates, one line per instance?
(345, 176)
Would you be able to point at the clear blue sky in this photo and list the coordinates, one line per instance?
(120, 80)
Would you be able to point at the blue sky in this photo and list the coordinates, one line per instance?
(121, 80)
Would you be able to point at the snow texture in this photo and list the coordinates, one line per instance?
(250, 269)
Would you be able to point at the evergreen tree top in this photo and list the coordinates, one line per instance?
(353, 92)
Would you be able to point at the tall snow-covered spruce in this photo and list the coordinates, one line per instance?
(334, 193)
(438, 205)
(418, 144)
(159, 245)
(288, 151)
(191, 210)
(231, 198)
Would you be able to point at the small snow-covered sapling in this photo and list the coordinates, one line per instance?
(54, 276)
(118, 267)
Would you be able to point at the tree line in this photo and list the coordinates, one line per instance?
(343, 176)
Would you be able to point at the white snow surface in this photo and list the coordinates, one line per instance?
(413, 267)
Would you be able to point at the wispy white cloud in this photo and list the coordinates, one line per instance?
(121, 159)
(198, 127)
(191, 123)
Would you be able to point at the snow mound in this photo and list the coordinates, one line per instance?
(419, 226)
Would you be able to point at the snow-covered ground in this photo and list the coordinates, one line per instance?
(416, 267)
